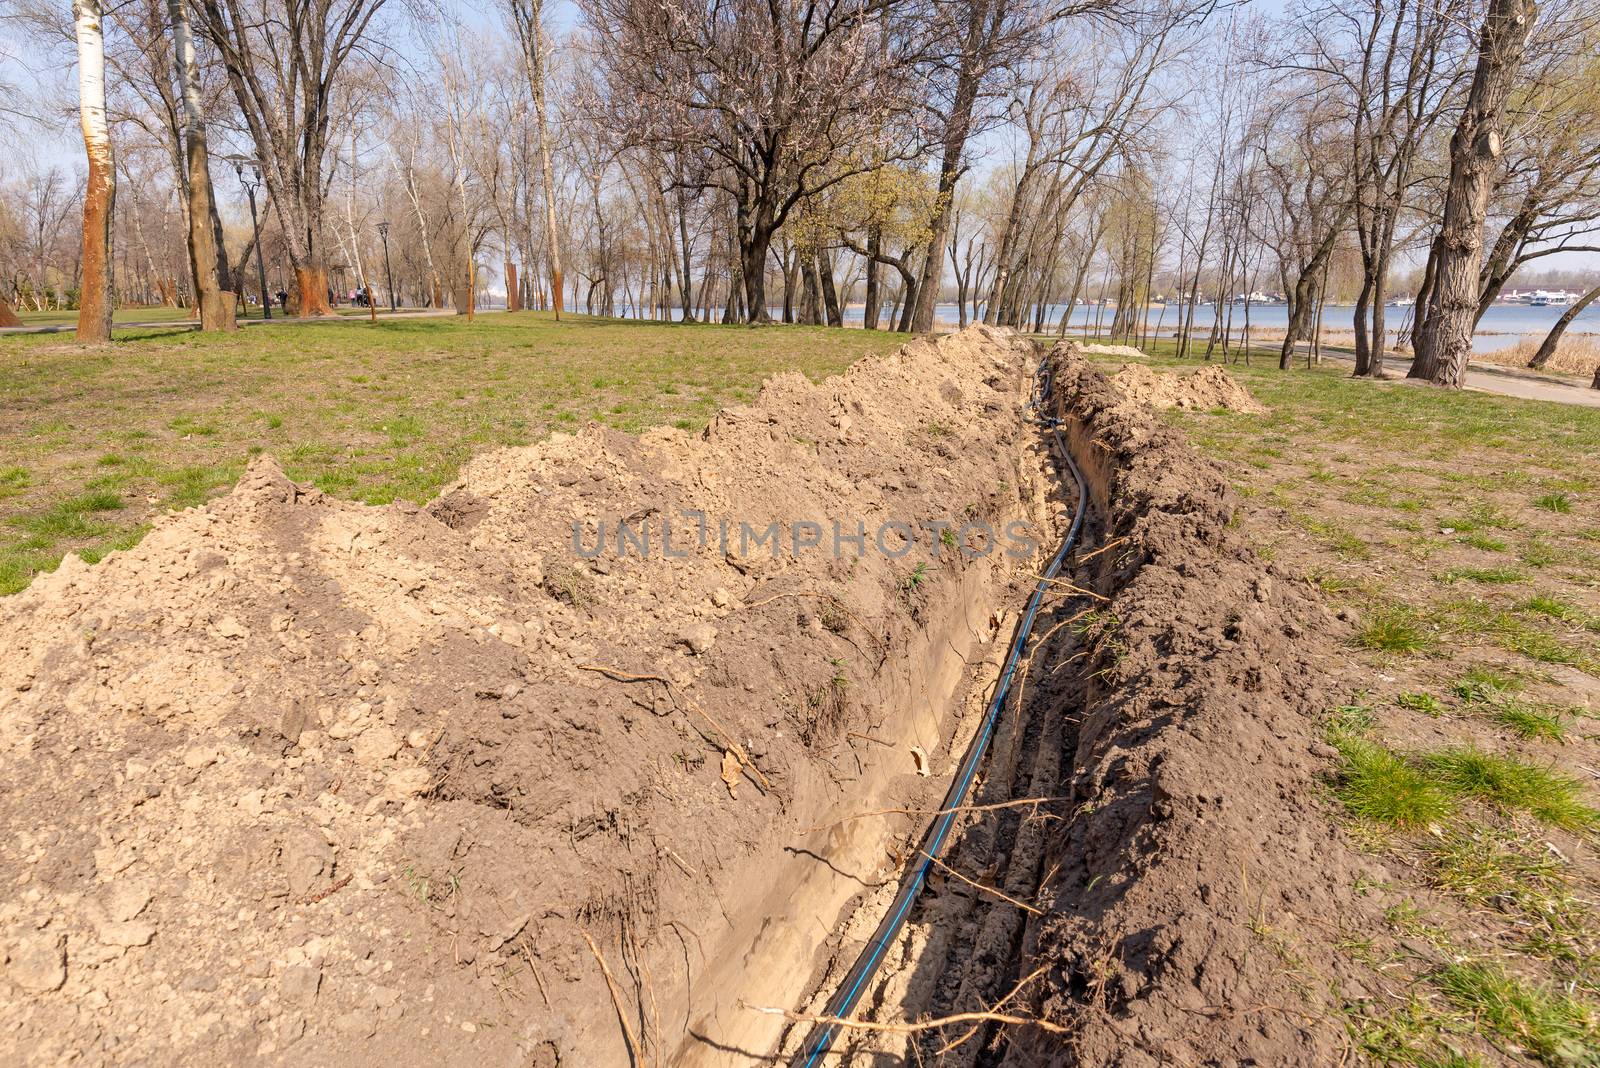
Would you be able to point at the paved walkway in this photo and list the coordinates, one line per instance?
(1492, 378)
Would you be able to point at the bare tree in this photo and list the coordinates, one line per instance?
(1446, 339)
(779, 94)
(1385, 64)
(1308, 182)
(528, 17)
(284, 59)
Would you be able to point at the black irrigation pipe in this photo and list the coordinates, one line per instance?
(855, 981)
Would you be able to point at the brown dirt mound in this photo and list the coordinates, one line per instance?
(1200, 884)
(297, 780)
(1208, 388)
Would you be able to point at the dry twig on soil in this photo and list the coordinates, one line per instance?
(312, 899)
(1017, 803)
(1075, 588)
(1001, 894)
(634, 1051)
(728, 741)
(1108, 545)
(996, 1007)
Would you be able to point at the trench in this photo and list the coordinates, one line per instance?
(947, 936)
(938, 931)
(788, 937)
(988, 833)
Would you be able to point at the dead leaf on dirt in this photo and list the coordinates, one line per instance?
(920, 759)
(730, 773)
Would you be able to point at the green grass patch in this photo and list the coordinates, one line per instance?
(1554, 502)
(1395, 629)
(1512, 785)
(1380, 785)
(1481, 682)
(71, 518)
(1481, 516)
(1554, 1027)
(1426, 703)
(1412, 1034)
(1488, 575)
(1484, 542)
(1335, 537)
(1531, 722)
(1549, 605)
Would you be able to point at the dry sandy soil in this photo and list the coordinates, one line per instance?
(297, 780)
(302, 781)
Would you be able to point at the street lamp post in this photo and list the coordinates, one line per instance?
(250, 184)
(388, 274)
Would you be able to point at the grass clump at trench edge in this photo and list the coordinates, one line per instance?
(1378, 784)
(1531, 721)
(1406, 791)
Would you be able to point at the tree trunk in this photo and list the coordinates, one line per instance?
(1424, 294)
(1547, 349)
(311, 291)
(1596, 383)
(830, 294)
(912, 304)
(529, 17)
(1363, 343)
(753, 256)
(1446, 339)
(810, 300)
(513, 294)
(216, 300)
(99, 199)
(789, 267)
(872, 300)
(1302, 297)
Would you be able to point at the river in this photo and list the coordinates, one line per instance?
(1503, 325)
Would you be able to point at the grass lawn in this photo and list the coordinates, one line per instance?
(93, 442)
(1459, 535)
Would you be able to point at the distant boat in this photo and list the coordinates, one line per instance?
(1402, 302)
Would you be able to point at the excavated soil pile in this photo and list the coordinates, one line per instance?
(298, 780)
(1114, 350)
(1204, 390)
(1198, 884)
